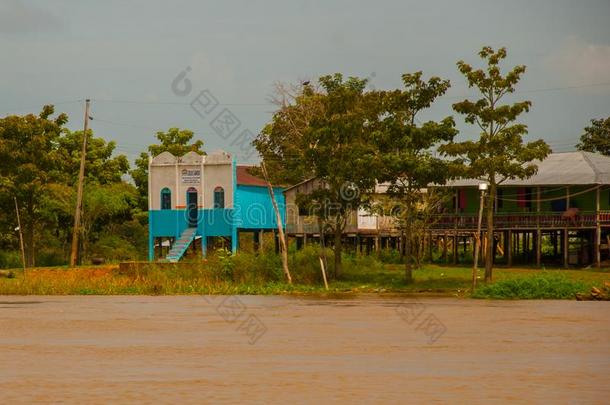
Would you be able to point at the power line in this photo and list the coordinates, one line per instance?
(43, 104)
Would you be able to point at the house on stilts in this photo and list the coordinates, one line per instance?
(559, 216)
(194, 199)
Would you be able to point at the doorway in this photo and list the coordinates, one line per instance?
(191, 206)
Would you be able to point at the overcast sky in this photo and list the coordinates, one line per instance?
(124, 55)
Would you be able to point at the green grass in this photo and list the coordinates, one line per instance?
(262, 275)
(546, 285)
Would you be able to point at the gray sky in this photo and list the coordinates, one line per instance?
(125, 54)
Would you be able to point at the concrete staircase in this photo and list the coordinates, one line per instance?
(181, 245)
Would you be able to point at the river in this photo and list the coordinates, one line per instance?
(170, 349)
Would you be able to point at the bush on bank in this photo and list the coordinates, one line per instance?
(539, 286)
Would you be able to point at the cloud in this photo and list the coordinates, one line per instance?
(576, 61)
(16, 17)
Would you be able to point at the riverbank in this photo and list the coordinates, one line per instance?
(375, 278)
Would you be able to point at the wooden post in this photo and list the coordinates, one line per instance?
(509, 248)
(455, 247)
(323, 272)
(261, 238)
(598, 232)
(20, 236)
(79, 191)
(538, 240)
(538, 231)
(566, 246)
(445, 248)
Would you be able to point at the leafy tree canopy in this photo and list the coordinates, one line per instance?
(596, 137)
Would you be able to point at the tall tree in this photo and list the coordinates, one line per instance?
(281, 143)
(101, 165)
(29, 165)
(596, 137)
(341, 154)
(324, 134)
(177, 142)
(500, 153)
(405, 148)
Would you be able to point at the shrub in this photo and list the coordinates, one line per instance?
(540, 286)
(10, 259)
(113, 248)
(390, 256)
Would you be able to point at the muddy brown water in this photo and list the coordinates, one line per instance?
(302, 350)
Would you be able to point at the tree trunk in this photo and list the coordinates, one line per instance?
(321, 227)
(280, 228)
(490, 252)
(30, 253)
(338, 248)
(407, 243)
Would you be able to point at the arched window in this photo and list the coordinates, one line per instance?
(219, 197)
(166, 199)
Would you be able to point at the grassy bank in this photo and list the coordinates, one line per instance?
(247, 274)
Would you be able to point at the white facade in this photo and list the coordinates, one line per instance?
(191, 172)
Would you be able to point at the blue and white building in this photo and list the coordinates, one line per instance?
(192, 198)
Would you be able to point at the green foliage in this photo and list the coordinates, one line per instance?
(390, 256)
(500, 153)
(100, 166)
(324, 133)
(10, 259)
(596, 137)
(39, 164)
(540, 286)
(405, 148)
(29, 164)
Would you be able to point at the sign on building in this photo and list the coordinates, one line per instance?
(191, 176)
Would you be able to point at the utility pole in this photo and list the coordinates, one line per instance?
(79, 192)
(20, 235)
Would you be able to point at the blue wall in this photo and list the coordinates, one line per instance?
(254, 210)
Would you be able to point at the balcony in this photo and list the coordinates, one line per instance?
(529, 220)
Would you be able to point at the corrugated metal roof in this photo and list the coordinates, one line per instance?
(566, 168)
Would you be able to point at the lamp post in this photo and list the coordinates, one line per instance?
(477, 236)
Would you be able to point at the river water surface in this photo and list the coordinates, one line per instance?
(302, 350)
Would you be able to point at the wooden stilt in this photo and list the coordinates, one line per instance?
(565, 248)
(538, 239)
(455, 248)
(598, 233)
(509, 248)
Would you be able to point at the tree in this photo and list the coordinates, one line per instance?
(500, 153)
(101, 169)
(177, 142)
(341, 154)
(29, 165)
(596, 137)
(281, 142)
(405, 148)
(324, 134)
(101, 166)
